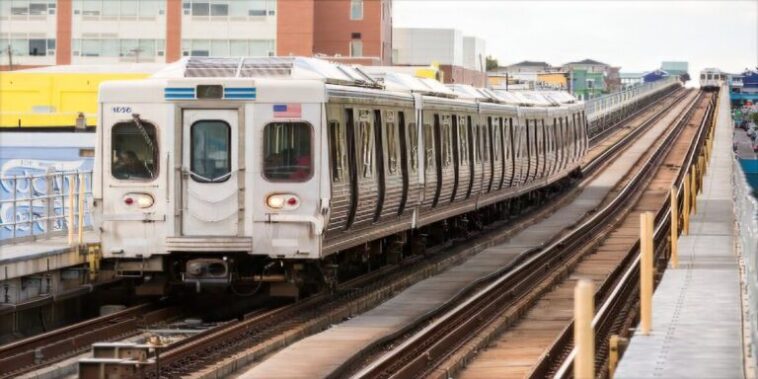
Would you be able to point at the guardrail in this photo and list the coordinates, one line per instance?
(44, 205)
(746, 215)
(605, 111)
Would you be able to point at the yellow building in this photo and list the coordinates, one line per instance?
(558, 79)
(53, 97)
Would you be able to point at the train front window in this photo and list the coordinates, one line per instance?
(134, 150)
(287, 152)
(211, 154)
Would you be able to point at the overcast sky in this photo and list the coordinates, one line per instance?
(636, 35)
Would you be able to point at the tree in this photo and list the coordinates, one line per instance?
(491, 63)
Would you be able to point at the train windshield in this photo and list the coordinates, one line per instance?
(211, 154)
(134, 153)
(287, 152)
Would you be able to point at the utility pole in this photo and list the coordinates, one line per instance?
(10, 58)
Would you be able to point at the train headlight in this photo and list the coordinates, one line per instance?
(285, 201)
(142, 200)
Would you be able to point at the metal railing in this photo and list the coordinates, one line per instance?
(41, 206)
(746, 215)
(596, 107)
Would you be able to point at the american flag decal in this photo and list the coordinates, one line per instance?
(287, 111)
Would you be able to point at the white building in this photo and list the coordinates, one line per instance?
(424, 46)
(474, 57)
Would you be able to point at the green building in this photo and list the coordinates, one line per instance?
(586, 85)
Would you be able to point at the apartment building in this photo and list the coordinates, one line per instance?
(49, 32)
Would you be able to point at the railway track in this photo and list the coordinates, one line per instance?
(41, 350)
(616, 314)
(265, 331)
(532, 301)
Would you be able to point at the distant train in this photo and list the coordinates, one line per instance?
(237, 172)
(712, 79)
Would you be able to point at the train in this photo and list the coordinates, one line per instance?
(284, 172)
(712, 79)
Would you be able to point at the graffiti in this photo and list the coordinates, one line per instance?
(34, 195)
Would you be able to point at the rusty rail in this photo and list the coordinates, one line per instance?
(615, 311)
(43, 349)
(420, 353)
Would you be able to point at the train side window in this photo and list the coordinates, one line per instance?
(428, 146)
(134, 154)
(447, 141)
(393, 150)
(485, 143)
(412, 142)
(365, 134)
(497, 139)
(337, 149)
(287, 152)
(463, 140)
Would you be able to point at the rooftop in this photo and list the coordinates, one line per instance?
(589, 61)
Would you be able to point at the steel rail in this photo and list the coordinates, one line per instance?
(417, 354)
(602, 158)
(626, 276)
(618, 146)
(38, 351)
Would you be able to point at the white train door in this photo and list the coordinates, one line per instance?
(210, 185)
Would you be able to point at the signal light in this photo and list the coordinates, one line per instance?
(283, 201)
(142, 200)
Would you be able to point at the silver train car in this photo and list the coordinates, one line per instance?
(712, 79)
(237, 172)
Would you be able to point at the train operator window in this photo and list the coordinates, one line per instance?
(287, 152)
(134, 154)
(211, 153)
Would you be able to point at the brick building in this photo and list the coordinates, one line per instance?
(49, 32)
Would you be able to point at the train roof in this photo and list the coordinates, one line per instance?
(269, 67)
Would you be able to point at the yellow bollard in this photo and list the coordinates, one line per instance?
(584, 338)
(614, 353)
(686, 206)
(81, 209)
(693, 188)
(71, 192)
(646, 272)
(674, 228)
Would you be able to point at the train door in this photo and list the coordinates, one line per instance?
(210, 184)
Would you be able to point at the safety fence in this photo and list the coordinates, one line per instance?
(606, 111)
(746, 213)
(40, 206)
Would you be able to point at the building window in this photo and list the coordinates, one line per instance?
(235, 9)
(109, 9)
(219, 9)
(131, 49)
(37, 47)
(356, 48)
(22, 47)
(226, 48)
(356, 9)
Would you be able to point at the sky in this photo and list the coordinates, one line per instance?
(636, 35)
